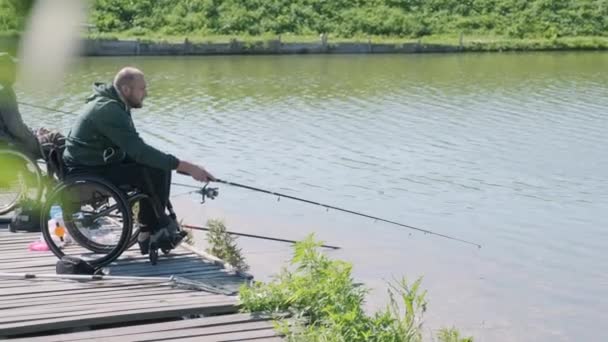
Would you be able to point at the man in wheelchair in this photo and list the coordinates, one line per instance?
(104, 142)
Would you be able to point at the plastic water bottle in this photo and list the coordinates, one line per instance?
(56, 212)
(56, 226)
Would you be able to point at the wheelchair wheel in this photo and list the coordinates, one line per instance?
(20, 178)
(89, 218)
(91, 244)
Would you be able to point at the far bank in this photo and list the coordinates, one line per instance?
(124, 45)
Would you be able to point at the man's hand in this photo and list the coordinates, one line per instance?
(41, 131)
(197, 172)
(201, 175)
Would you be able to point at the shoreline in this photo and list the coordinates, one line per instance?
(106, 47)
(127, 46)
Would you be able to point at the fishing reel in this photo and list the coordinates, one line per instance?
(208, 192)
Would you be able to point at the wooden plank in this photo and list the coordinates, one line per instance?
(227, 306)
(219, 331)
(166, 267)
(111, 314)
(172, 333)
(93, 283)
(99, 304)
(18, 249)
(167, 272)
(6, 243)
(143, 261)
(26, 263)
(162, 265)
(72, 298)
(67, 286)
(76, 291)
(17, 237)
(100, 286)
(29, 255)
(102, 291)
(256, 335)
(67, 314)
(7, 239)
(88, 298)
(202, 323)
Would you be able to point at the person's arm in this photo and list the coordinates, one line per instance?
(118, 127)
(17, 128)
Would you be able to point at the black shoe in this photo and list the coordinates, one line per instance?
(179, 237)
(168, 237)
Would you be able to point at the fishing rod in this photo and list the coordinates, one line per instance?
(206, 191)
(45, 108)
(254, 236)
(212, 193)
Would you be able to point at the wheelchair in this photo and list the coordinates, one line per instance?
(82, 216)
(20, 178)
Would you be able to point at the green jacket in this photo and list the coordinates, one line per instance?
(12, 128)
(104, 134)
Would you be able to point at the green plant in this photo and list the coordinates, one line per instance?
(13, 14)
(325, 304)
(452, 335)
(223, 245)
(189, 239)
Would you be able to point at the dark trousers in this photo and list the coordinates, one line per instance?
(155, 183)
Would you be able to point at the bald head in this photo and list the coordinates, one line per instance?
(130, 83)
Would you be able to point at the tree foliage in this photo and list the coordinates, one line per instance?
(345, 18)
(406, 18)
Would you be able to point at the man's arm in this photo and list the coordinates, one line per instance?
(117, 127)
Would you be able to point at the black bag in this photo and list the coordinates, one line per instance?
(73, 265)
(53, 146)
(26, 217)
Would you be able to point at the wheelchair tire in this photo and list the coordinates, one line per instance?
(11, 203)
(113, 251)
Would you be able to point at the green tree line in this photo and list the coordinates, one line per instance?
(344, 18)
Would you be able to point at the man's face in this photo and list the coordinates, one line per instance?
(136, 93)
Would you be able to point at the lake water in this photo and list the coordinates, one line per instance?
(506, 150)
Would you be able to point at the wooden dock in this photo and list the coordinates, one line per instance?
(125, 310)
(236, 327)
